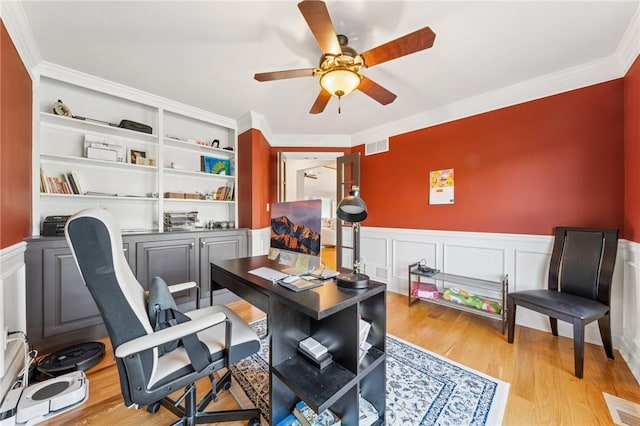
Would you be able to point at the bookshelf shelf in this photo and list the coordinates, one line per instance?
(59, 122)
(144, 166)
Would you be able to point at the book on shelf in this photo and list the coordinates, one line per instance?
(214, 165)
(290, 420)
(307, 417)
(66, 183)
(364, 348)
(363, 329)
(82, 189)
(224, 193)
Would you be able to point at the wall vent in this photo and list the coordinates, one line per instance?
(376, 147)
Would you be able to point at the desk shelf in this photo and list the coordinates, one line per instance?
(310, 383)
(494, 291)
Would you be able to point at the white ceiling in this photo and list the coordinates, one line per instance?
(205, 53)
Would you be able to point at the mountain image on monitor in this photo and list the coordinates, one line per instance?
(295, 226)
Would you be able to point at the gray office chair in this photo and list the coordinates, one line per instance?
(146, 378)
(579, 287)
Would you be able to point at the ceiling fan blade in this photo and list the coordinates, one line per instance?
(321, 102)
(279, 75)
(317, 16)
(406, 45)
(375, 91)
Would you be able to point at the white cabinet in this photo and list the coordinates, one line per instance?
(139, 176)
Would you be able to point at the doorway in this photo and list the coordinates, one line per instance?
(312, 175)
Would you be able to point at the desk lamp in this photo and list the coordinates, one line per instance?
(353, 209)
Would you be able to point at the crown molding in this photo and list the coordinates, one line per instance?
(19, 30)
(312, 141)
(563, 81)
(629, 46)
(254, 120)
(58, 72)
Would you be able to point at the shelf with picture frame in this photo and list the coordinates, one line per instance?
(137, 166)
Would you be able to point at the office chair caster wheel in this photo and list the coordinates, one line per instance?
(226, 385)
(254, 422)
(153, 407)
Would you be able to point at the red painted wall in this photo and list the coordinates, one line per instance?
(253, 180)
(521, 169)
(632, 152)
(15, 144)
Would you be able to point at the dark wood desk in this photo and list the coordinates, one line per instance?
(331, 315)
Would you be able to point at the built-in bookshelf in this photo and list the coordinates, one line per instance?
(86, 157)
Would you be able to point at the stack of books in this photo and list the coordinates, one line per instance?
(315, 352)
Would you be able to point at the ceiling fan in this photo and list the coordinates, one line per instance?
(340, 64)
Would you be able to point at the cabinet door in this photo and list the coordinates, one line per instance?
(218, 248)
(172, 260)
(68, 304)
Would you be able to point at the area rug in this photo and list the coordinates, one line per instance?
(422, 388)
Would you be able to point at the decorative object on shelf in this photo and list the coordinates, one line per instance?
(137, 157)
(315, 352)
(427, 270)
(180, 220)
(215, 143)
(138, 127)
(214, 165)
(353, 209)
(59, 108)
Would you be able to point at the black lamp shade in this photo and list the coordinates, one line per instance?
(352, 208)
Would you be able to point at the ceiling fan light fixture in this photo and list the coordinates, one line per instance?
(340, 81)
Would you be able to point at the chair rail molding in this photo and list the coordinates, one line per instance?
(386, 252)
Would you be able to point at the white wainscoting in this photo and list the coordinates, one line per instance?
(259, 241)
(13, 317)
(630, 340)
(387, 252)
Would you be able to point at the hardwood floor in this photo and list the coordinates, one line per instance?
(538, 366)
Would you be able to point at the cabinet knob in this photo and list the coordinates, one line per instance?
(202, 244)
(192, 244)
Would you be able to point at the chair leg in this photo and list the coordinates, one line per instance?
(554, 325)
(604, 324)
(511, 319)
(578, 347)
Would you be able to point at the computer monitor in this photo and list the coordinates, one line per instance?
(295, 230)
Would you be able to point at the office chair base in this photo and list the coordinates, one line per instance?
(191, 413)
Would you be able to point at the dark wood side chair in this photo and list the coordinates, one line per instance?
(579, 287)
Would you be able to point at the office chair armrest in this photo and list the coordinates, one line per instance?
(174, 288)
(169, 334)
